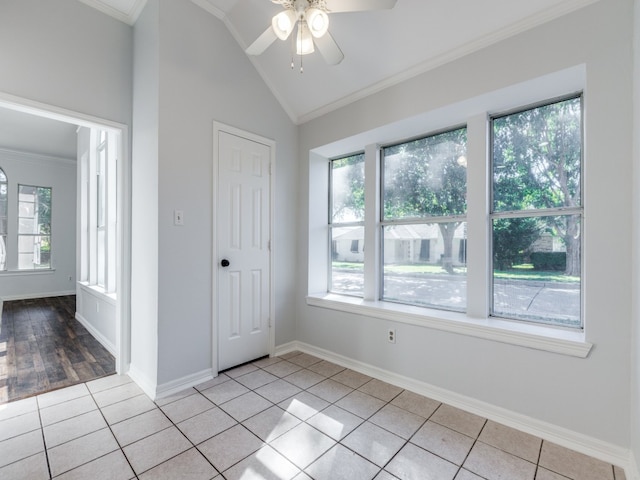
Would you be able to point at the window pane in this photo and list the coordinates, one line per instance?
(34, 251)
(537, 158)
(347, 260)
(34, 227)
(347, 189)
(3, 252)
(426, 264)
(101, 257)
(426, 177)
(536, 269)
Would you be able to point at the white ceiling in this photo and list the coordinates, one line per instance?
(380, 47)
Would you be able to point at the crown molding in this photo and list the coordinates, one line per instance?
(128, 17)
(212, 9)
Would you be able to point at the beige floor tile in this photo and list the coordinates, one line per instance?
(544, 474)
(327, 369)
(288, 355)
(511, 441)
(414, 463)
(444, 442)
(22, 446)
(229, 447)
(282, 369)
(140, 426)
(117, 394)
(224, 392)
(265, 464)
(189, 465)
(245, 406)
(221, 378)
(302, 476)
(73, 428)
(398, 421)
(458, 420)
(256, 379)
(414, 403)
(156, 449)
(82, 450)
(129, 408)
(573, 464)
(113, 466)
(187, 407)
(494, 464)
(206, 425)
(271, 423)
(105, 383)
(373, 443)
(241, 370)
(303, 405)
(330, 391)
(31, 468)
(265, 362)
(335, 422)
(382, 390)
(360, 404)
(304, 378)
(68, 409)
(278, 391)
(20, 407)
(618, 473)
(14, 426)
(340, 463)
(187, 392)
(351, 378)
(467, 475)
(305, 360)
(385, 476)
(64, 394)
(302, 445)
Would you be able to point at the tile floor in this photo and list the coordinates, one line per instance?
(290, 417)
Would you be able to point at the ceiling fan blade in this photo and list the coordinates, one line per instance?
(262, 42)
(337, 6)
(329, 49)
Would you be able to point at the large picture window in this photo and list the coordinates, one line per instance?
(537, 213)
(34, 227)
(424, 190)
(346, 225)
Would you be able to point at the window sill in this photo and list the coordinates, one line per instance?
(98, 292)
(538, 337)
(38, 271)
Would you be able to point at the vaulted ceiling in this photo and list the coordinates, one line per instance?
(381, 47)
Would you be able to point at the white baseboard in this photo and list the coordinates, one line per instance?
(567, 438)
(632, 472)
(147, 385)
(175, 386)
(96, 334)
(27, 296)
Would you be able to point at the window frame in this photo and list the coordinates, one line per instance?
(540, 212)
(19, 234)
(4, 181)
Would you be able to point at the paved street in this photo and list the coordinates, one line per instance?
(557, 300)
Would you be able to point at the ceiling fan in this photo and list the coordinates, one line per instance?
(312, 21)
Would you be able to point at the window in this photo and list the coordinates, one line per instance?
(424, 191)
(346, 225)
(4, 210)
(537, 213)
(98, 208)
(34, 227)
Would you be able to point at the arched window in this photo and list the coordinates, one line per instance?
(3, 219)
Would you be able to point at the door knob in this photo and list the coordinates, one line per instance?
(224, 262)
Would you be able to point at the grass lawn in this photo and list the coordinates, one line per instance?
(518, 272)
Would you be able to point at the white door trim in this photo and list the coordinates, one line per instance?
(123, 261)
(217, 128)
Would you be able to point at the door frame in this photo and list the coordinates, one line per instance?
(215, 258)
(123, 194)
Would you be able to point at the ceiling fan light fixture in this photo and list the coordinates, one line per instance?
(283, 24)
(317, 20)
(304, 40)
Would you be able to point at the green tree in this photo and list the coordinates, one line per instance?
(537, 165)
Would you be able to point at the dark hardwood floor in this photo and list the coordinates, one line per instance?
(43, 347)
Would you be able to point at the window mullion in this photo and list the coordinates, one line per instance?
(478, 228)
(372, 257)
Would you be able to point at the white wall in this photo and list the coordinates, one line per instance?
(203, 76)
(588, 396)
(59, 174)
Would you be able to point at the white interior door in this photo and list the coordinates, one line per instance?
(243, 249)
